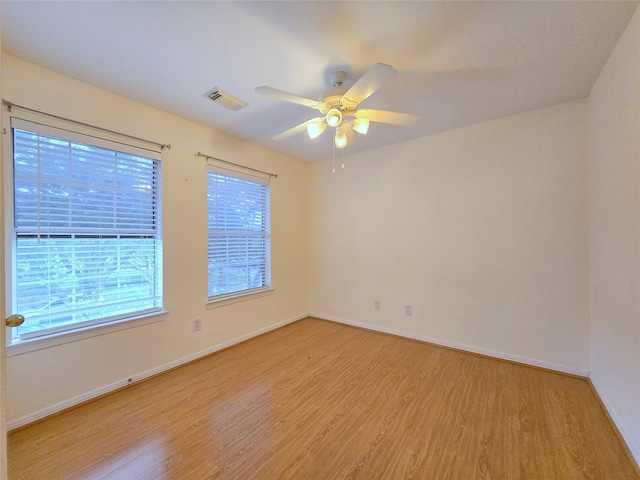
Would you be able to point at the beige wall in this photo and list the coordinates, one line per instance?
(44, 380)
(483, 230)
(3, 404)
(614, 235)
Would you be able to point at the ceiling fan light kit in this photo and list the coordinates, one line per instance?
(339, 108)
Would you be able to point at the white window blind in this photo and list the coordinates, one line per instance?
(87, 230)
(239, 233)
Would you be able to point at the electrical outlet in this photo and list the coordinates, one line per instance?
(196, 325)
(408, 310)
(376, 304)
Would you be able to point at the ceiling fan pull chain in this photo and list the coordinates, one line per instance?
(334, 158)
(342, 158)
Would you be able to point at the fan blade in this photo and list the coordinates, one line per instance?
(384, 116)
(289, 97)
(368, 83)
(297, 129)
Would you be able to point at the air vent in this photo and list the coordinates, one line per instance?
(225, 99)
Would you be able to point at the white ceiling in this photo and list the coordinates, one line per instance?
(459, 62)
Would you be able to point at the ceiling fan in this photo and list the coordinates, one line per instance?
(339, 107)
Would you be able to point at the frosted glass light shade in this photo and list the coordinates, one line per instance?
(334, 117)
(316, 129)
(361, 125)
(341, 138)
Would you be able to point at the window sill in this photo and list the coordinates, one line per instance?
(24, 346)
(240, 297)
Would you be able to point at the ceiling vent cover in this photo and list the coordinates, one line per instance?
(225, 99)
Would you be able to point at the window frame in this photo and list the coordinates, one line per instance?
(75, 133)
(249, 293)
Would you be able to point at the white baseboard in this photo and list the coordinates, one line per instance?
(457, 346)
(634, 447)
(58, 407)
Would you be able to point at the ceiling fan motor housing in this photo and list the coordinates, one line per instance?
(333, 100)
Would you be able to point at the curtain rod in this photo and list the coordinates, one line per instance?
(57, 117)
(209, 157)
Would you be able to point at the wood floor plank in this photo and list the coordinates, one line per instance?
(319, 400)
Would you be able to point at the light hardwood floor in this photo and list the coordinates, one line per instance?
(319, 400)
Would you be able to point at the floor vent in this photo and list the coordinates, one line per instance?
(225, 99)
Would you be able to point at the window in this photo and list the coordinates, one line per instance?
(86, 246)
(239, 243)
